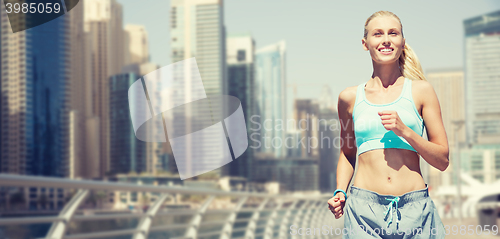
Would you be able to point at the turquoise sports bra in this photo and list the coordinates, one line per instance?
(368, 129)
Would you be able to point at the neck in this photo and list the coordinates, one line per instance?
(386, 74)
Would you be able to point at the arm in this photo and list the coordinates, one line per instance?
(345, 170)
(347, 159)
(434, 151)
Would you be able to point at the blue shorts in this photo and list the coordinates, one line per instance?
(368, 214)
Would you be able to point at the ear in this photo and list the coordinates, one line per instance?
(365, 45)
(404, 43)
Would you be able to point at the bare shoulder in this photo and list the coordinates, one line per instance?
(422, 86)
(423, 91)
(347, 97)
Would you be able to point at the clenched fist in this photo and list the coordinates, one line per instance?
(336, 205)
(391, 121)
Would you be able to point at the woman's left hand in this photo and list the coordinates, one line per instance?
(391, 121)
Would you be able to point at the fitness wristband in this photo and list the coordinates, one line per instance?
(340, 190)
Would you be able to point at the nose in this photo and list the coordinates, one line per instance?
(385, 40)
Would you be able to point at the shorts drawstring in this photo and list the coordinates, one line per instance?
(393, 200)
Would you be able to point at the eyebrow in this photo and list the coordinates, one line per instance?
(378, 29)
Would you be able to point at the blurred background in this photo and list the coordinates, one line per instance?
(68, 149)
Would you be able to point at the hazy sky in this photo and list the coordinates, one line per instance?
(324, 37)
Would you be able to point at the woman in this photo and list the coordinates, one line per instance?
(382, 123)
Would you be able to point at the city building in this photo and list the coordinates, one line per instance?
(306, 116)
(292, 143)
(197, 30)
(83, 158)
(155, 161)
(104, 26)
(137, 61)
(34, 108)
(136, 40)
(198, 43)
(270, 97)
(482, 78)
(240, 50)
(448, 84)
(34, 97)
(318, 131)
(127, 153)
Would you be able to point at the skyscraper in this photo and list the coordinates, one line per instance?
(306, 113)
(270, 96)
(127, 153)
(482, 78)
(136, 40)
(197, 30)
(149, 159)
(34, 104)
(83, 160)
(103, 23)
(240, 66)
(137, 61)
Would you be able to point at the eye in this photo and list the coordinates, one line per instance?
(377, 34)
(394, 33)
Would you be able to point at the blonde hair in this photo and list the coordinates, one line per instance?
(409, 64)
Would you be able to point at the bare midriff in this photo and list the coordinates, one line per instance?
(389, 171)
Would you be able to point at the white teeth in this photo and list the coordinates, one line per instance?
(386, 50)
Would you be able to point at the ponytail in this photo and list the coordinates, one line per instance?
(410, 65)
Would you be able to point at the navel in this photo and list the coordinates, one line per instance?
(389, 179)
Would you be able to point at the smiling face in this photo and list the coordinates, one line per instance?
(384, 39)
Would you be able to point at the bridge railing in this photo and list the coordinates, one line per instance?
(269, 216)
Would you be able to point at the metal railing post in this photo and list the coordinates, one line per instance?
(306, 219)
(306, 216)
(252, 224)
(227, 229)
(313, 216)
(58, 228)
(324, 213)
(268, 233)
(298, 218)
(317, 212)
(146, 220)
(286, 218)
(192, 230)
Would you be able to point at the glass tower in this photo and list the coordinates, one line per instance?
(240, 50)
(482, 78)
(128, 154)
(34, 105)
(270, 96)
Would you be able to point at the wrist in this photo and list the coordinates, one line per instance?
(341, 191)
(407, 133)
